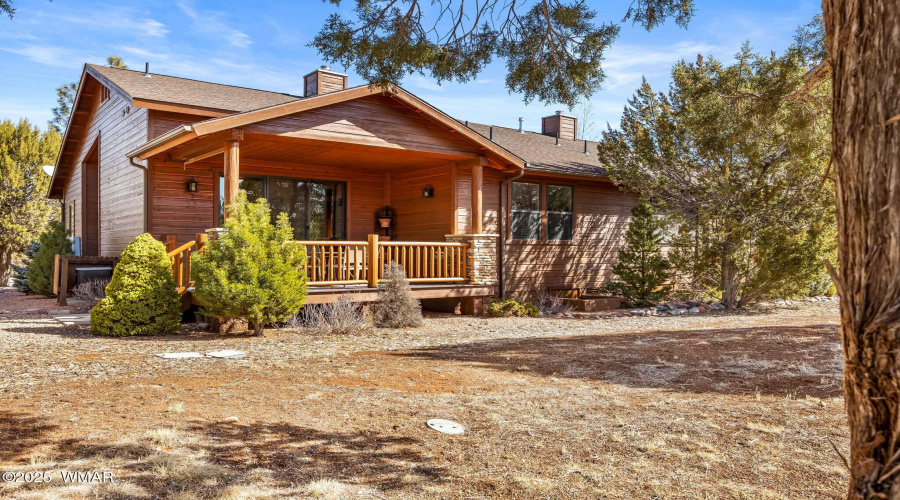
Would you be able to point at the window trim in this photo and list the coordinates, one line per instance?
(543, 197)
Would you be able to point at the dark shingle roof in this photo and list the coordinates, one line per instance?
(542, 153)
(188, 92)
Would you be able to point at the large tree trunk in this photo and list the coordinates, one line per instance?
(731, 284)
(863, 38)
(5, 266)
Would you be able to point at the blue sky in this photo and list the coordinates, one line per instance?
(262, 44)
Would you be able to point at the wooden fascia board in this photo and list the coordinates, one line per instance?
(166, 145)
(62, 145)
(550, 175)
(179, 108)
(242, 119)
(107, 82)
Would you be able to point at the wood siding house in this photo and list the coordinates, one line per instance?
(474, 210)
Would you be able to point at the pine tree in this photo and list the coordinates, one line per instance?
(24, 207)
(55, 240)
(141, 297)
(253, 270)
(395, 306)
(642, 269)
(20, 272)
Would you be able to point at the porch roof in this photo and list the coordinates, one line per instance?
(219, 128)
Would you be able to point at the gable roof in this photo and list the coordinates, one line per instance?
(184, 133)
(542, 153)
(187, 92)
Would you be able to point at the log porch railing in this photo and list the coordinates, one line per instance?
(364, 262)
(180, 256)
(350, 262)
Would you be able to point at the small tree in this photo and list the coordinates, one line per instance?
(20, 271)
(140, 298)
(54, 241)
(395, 306)
(253, 270)
(642, 269)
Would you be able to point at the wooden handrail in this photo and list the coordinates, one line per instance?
(182, 248)
(363, 262)
(181, 266)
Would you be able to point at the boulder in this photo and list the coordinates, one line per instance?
(676, 312)
(693, 310)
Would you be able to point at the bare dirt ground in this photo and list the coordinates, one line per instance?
(743, 405)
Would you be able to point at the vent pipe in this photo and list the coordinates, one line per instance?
(557, 138)
(585, 146)
(491, 134)
(147, 69)
(521, 120)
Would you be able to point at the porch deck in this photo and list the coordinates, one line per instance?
(363, 293)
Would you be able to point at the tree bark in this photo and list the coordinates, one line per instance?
(5, 266)
(863, 41)
(730, 284)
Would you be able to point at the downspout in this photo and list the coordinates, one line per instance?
(502, 229)
(146, 192)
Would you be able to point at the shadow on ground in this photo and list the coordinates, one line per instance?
(776, 361)
(20, 434)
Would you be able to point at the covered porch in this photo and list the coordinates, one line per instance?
(365, 182)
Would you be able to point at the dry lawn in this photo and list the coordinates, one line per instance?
(715, 406)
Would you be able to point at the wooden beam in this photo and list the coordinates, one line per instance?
(203, 156)
(480, 161)
(232, 151)
(206, 145)
(477, 197)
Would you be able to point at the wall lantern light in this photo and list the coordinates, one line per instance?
(428, 192)
(192, 186)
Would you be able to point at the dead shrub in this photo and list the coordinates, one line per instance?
(551, 304)
(395, 306)
(341, 317)
(91, 290)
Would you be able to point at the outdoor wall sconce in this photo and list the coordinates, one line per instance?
(428, 192)
(192, 186)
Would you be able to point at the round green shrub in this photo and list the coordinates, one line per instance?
(507, 307)
(55, 240)
(141, 298)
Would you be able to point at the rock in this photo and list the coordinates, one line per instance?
(693, 310)
(202, 326)
(694, 303)
(701, 309)
(676, 312)
(671, 305)
(717, 307)
(662, 308)
(637, 312)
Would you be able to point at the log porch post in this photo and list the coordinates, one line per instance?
(232, 166)
(477, 213)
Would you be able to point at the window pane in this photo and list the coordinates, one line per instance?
(560, 220)
(289, 196)
(254, 187)
(526, 211)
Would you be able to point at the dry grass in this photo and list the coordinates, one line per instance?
(729, 406)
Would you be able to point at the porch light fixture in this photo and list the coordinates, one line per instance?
(192, 186)
(428, 192)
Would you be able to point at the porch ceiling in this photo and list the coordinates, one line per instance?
(266, 148)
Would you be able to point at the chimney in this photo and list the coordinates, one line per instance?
(560, 125)
(521, 120)
(323, 81)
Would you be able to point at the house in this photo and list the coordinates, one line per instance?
(367, 176)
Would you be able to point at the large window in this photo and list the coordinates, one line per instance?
(530, 210)
(315, 209)
(526, 211)
(560, 220)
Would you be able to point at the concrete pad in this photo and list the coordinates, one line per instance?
(227, 353)
(74, 319)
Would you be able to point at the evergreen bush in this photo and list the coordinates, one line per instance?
(54, 241)
(395, 306)
(141, 297)
(642, 269)
(20, 271)
(253, 270)
(509, 307)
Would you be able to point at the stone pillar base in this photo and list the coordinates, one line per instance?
(481, 257)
